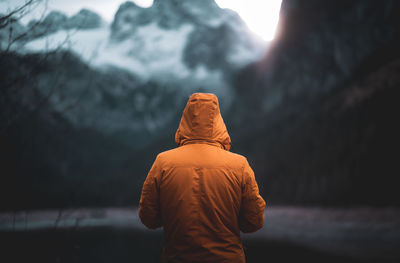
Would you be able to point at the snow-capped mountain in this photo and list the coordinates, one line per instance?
(197, 32)
(173, 47)
(170, 40)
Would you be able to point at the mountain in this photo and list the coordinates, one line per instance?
(193, 42)
(84, 19)
(53, 22)
(205, 27)
(172, 14)
(180, 47)
(56, 21)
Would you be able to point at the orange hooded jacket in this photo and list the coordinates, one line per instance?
(200, 193)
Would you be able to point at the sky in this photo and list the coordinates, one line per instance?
(260, 16)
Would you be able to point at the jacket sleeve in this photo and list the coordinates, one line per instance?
(149, 205)
(251, 216)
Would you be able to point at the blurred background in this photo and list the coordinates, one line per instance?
(91, 91)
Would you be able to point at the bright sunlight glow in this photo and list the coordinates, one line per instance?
(261, 16)
(143, 3)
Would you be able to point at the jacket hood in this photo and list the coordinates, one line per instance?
(202, 121)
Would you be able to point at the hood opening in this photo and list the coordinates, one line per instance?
(202, 122)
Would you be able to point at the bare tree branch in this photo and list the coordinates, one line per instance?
(25, 34)
(6, 19)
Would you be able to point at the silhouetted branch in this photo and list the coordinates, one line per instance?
(7, 18)
(11, 19)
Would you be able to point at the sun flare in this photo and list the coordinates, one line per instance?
(260, 16)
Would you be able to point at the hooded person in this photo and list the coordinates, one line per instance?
(200, 193)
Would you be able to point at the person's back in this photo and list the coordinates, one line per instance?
(202, 194)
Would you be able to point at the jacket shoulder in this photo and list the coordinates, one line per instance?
(237, 157)
(165, 155)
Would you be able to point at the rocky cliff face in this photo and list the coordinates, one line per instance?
(319, 46)
(304, 150)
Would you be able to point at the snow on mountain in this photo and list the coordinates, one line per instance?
(154, 50)
(151, 52)
(83, 42)
(168, 50)
(141, 42)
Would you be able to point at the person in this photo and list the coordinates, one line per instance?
(200, 193)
